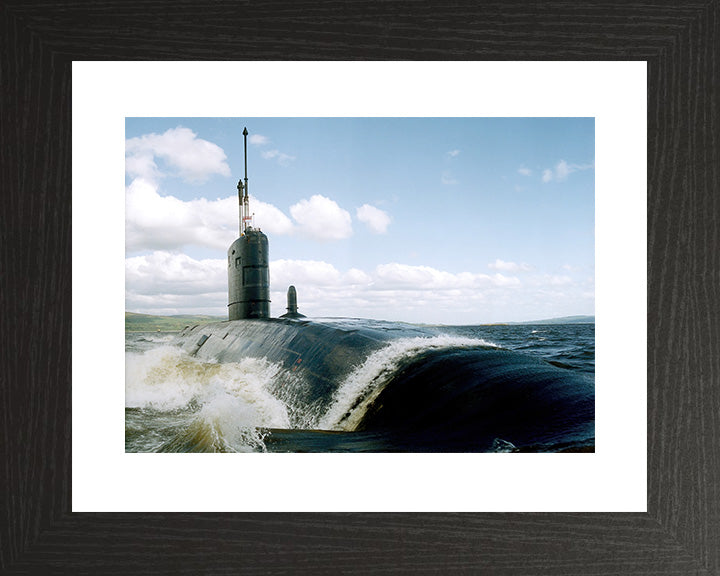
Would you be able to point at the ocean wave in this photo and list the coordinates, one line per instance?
(228, 402)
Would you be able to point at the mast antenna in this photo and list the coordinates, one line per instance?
(246, 201)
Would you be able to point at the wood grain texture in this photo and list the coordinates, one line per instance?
(679, 535)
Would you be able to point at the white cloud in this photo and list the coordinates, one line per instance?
(562, 170)
(356, 277)
(396, 275)
(142, 165)
(525, 171)
(281, 157)
(453, 153)
(171, 283)
(164, 272)
(447, 179)
(321, 218)
(155, 222)
(258, 140)
(167, 283)
(552, 281)
(508, 266)
(269, 218)
(375, 219)
(192, 158)
(165, 222)
(314, 272)
(557, 280)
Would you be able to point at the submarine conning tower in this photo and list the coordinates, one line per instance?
(248, 270)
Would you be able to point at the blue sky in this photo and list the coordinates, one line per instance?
(428, 220)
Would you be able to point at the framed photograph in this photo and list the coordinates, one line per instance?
(359, 513)
(331, 386)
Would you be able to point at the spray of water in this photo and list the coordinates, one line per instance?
(228, 402)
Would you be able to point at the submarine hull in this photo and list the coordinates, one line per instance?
(313, 357)
(412, 385)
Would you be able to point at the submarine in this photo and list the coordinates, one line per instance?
(415, 387)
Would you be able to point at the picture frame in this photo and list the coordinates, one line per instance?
(680, 531)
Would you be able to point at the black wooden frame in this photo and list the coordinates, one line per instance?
(680, 533)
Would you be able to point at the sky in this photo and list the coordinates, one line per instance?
(423, 220)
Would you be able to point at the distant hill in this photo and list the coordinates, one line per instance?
(148, 323)
(563, 320)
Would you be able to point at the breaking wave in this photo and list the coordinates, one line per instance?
(223, 405)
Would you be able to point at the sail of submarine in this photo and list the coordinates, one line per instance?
(248, 271)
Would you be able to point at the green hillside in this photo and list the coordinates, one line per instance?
(147, 323)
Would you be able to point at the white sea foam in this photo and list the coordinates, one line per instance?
(231, 395)
(363, 385)
(234, 423)
(502, 446)
(161, 337)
